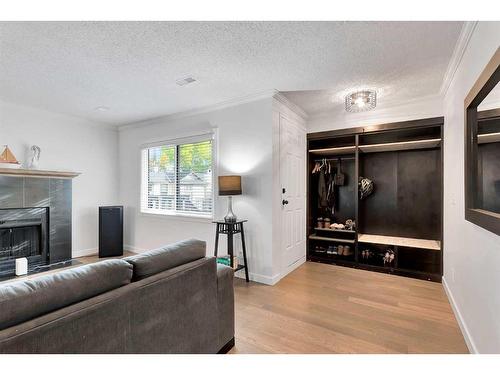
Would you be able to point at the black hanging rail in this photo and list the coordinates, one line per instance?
(334, 159)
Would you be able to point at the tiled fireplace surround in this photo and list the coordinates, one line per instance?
(21, 192)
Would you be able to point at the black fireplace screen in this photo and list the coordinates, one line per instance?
(20, 241)
(23, 234)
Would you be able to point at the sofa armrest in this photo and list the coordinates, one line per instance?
(225, 304)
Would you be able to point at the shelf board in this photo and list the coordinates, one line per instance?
(37, 173)
(315, 237)
(399, 146)
(335, 259)
(400, 241)
(488, 138)
(336, 230)
(334, 150)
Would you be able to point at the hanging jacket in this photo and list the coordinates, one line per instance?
(322, 190)
(331, 189)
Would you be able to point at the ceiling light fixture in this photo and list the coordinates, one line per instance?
(102, 108)
(360, 101)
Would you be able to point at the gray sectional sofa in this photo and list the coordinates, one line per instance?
(169, 300)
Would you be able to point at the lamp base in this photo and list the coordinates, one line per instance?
(230, 216)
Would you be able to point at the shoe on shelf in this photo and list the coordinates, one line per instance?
(340, 250)
(347, 251)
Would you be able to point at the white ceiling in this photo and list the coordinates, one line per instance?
(131, 67)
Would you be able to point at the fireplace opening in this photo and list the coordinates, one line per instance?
(20, 240)
(23, 234)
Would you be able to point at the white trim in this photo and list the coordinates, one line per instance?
(293, 267)
(84, 252)
(458, 53)
(461, 322)
(291, 105)
(258, 278)
(270, 280)
(133, 249)
(143, 150)
(266, 94)
(178, 216)
(181, 140)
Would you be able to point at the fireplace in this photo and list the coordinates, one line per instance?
(35, 217)
(23, 234)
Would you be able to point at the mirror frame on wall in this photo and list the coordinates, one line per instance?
(485, 83)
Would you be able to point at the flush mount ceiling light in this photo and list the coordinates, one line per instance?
(360, 101)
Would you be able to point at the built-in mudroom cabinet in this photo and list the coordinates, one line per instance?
(375, 198)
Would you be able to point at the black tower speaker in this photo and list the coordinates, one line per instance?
(110, 231)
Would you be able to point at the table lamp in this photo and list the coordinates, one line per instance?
(230, 185)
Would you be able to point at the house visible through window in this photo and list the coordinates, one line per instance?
(177, 178)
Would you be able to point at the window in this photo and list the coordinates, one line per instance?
(177, 178)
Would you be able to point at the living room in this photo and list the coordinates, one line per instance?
(249, 187)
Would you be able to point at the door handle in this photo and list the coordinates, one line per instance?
(284, 202)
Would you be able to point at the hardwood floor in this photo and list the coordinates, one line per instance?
(320, 308)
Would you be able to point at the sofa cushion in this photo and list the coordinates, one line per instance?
(24, 300)
(162, 259)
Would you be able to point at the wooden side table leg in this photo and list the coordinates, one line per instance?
(216, 240)
(244, 252)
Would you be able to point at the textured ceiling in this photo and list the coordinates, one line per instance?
(131, 67)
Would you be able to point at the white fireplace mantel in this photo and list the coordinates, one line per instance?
(37, 173)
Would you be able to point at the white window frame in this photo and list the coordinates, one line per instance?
(143, 209)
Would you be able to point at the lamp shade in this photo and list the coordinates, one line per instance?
(229, 185)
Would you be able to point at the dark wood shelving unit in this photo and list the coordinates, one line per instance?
(404, 214)
(336, 230)
(331, 239)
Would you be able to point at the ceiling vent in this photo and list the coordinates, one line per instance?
(185, 81)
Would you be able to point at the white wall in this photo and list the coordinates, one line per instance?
(471, 254)
(244, 147)
(68, 143)
(418, 109)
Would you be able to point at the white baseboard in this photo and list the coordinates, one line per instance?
(84, 253)
(133, 249)
(461, 322)
(293, 266)
(258, 278)
(270, 280)
(93, 251)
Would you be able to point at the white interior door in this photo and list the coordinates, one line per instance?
(292, 176)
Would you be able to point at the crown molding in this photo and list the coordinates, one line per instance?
(280, 98)
(266, 94)
(458, 53)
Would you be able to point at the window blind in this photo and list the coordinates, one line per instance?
(178, 179)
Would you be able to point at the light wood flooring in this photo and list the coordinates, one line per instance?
(321, 308)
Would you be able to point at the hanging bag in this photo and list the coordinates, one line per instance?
(339, 176)
(365, 187)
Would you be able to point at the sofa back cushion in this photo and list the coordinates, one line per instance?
(162, 259)
(24, 300)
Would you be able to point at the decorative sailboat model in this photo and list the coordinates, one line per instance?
(8, 160)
